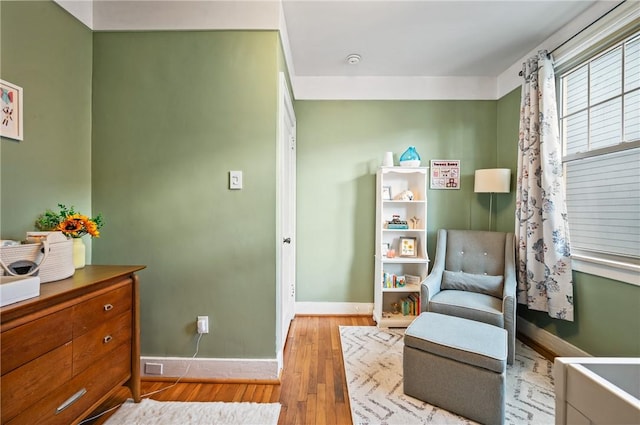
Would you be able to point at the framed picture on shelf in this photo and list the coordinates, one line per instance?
(386, 193)
(408, 246)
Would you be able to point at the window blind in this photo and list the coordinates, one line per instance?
(603, 203)
(600, 108)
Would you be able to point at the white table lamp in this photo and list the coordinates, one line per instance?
(492, 180)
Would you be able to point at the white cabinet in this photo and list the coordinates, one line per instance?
(401, 227)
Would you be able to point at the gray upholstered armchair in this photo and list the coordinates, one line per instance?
(474, 277)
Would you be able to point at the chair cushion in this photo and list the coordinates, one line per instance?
(468, 305)
(475, 252)
(483, 284)
(465, 341)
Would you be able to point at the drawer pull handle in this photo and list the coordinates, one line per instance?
(68, 402)
(108, 307)
(107, 339)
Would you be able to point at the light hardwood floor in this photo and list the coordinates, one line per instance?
(313, 389)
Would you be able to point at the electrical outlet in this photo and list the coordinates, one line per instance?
(153, 368)
(203, 324)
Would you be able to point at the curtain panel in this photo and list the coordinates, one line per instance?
(543, 250)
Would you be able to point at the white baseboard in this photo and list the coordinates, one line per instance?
(548, 340)
(208, 368)
(327, 308)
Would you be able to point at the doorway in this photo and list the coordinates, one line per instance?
(286, 217)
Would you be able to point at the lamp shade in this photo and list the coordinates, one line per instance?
(492, 180)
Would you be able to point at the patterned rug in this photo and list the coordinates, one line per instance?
(373, 367)
(151, 412)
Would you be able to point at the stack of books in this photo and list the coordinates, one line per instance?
(396, 223)
(410, 306)
(390, 280)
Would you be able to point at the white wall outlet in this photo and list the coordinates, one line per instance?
(153, 368)
(203, 324)
(235, 180)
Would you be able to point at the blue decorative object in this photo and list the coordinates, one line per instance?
(410, 158)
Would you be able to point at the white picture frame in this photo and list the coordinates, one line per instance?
(386, 193)
(11, 111)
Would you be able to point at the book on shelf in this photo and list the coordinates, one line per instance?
(410, 306)
(391, 280)
(415, 299)
(397, 226)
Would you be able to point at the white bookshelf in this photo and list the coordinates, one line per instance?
(397, 180)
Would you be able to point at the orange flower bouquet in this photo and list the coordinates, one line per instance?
(71, 223)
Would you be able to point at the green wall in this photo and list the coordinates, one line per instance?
(340, 146)
(48, 53)
(173, 112)
(507, 157)
(606, 311)
(150, 126)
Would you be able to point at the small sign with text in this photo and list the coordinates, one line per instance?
(445, 174)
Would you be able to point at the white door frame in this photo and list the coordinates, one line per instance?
(285, 217)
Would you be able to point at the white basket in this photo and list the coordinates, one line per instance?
(53, 256)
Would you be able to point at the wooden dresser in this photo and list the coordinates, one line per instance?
(64, 352)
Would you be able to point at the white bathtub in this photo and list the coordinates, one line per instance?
(597, 390)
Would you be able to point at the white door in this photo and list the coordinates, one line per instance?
(286, 216)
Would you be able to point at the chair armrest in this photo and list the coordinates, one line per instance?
(430, 287)
(510, 282)
(509, 295)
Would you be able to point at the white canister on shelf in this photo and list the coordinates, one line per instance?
(388, 159)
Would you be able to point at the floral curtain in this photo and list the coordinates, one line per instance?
(542, 232)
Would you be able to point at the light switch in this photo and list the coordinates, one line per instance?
(235, 179)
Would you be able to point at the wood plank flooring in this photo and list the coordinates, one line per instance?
(313, 389)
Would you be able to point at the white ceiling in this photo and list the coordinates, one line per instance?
(420, 38)
(410, 49)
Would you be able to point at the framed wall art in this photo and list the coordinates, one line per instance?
(11, 124)
(445, 174)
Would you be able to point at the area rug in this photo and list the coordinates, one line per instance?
(151, 412)
(373, 367)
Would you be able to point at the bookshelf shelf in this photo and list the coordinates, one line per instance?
(396, 201)
(407, 288)
(404, 260)
(396, 321)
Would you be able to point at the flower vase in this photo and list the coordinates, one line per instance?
(79, 253)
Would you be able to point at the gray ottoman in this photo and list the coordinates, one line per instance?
(458, 365)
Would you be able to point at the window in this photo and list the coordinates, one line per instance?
(600, 129)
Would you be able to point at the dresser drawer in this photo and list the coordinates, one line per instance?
(97, 381)
(90, 347)
(25, 385)
(89, 314)
(24, 343)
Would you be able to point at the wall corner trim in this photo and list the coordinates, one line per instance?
(548, 340)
